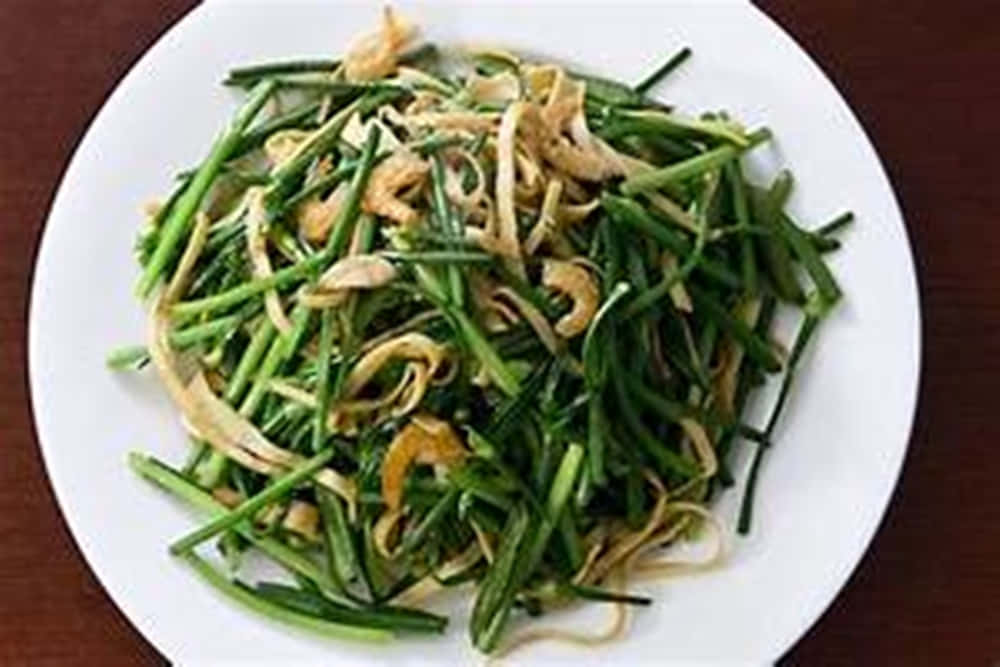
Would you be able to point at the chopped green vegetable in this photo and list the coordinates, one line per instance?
(465, 323)
(663, 70)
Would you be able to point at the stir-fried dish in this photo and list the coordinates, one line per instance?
(456, 318)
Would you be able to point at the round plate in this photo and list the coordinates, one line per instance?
(823, 488)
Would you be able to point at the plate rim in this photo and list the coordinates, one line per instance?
(914, 398)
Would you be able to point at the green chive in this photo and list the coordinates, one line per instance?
(183, 211)
(250, 506)
(663, 71)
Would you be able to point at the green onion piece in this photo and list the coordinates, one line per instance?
(441, 509)
(497, 588)
(835, 225)
(608, 92)
(809, 325)
(824, 244)
(248, 363)
(449, 223)
(180, 487)
(315, 604)
(652, 135)
(665, 457)
(323, 380)
(596, 594)
(282, 347)
(755, 348)
(747, 382)
(294, 340)
(342, 557)
(635, 498)
(249, 599)
(184, 209)
(213, 468)
(447, 257)
(806, 330)
(658, 292)
(240, 293)
(149, 235)
(479, 486)
(630, 213)
(349, 211)
(343, 171)
(776, 252)
(678, 131)
(663, 71)
(510, 413)
(126, 357)
(288, 173)
(559, 493)
(672, 411)
(240, 75)
(748, 260)
(493, 606)
(595, 366)
(206, 330)
(655, 179)
(814, 265)
(597, 435)
(257, 135)
(571, 540)
(595, 370)
(337, 89)
(487, 355)
(250, 506)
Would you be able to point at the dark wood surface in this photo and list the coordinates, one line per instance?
(923, 78)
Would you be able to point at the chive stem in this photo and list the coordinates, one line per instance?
(240, 75)
(715, 158)
(663, 71)
(250, 506)
(249, 599)
(180, 487)
(181, 213)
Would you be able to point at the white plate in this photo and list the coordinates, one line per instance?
(822, 490)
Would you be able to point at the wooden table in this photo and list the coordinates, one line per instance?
(922, 76)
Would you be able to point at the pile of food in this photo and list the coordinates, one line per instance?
(458, 318)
